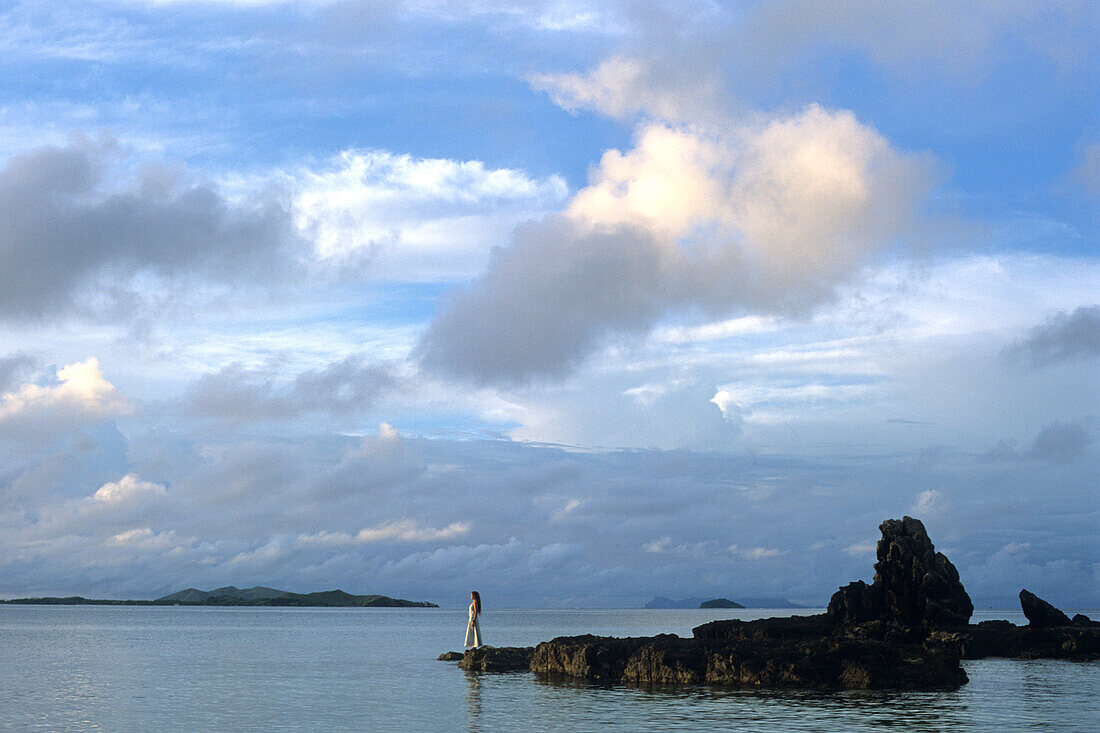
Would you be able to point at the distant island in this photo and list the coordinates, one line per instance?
(662, 602)
(233, 596)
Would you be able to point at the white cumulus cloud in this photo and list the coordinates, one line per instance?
(767, 216)
(127, 489)
(399, 217)
(82, 393)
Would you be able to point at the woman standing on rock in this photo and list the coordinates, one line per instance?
(473, 629)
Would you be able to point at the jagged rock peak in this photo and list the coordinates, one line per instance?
(1040, 614)
(914, 585)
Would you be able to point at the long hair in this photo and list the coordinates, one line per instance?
(477, 601)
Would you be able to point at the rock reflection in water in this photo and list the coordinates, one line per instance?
(698, 707)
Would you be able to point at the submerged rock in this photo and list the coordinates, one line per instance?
(914, 585)
(1040, 614)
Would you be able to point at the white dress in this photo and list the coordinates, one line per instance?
(473, 629)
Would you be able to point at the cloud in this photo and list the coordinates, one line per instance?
(79, 224)
(240, 394)
(929, 503)
(662, 544)
(123, 229)
(567, 510)
(597, 410)
(860, 549)
(1063, 337)
(756, 553)
(127, 489)
(545, 302)
(13, 368)
(405, 218)
(379, 460)
(143, 538)
(692, 60)
(409, 531)
(224, 519)
(1059, 442)
(767, 217)
(81, 394)
(1062, 442)
(957, 40)
(404, 530)
(623, 87)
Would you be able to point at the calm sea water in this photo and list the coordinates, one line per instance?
(219, 669)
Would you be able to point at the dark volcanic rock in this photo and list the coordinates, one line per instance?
(1083, 620)
(914, 585)
(855, 603)
(587, 657)
(450, 656)
(1040, 614)
(793, 627)
(496, 659)
(751, 662)
(1003, 639)
(907, 630)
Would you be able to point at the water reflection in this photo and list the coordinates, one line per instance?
(689, 707)
(473, 702)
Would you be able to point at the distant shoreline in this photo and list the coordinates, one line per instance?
(266, 603)
(258, 596)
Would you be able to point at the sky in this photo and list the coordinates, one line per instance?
(576, 304)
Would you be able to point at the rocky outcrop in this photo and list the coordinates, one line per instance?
(914, 585)
(1040, 614)
(1083, 620)
(496, 659)
(792, 628)
(756, 662)
(855, 603)
(1004, 639)
(450, 657)
(1055, 636)
(907, 630)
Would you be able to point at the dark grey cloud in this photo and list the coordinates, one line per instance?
(1062, 337)
(1059, 442)
(76, 226)
(1062, 442)
(343, 388)
(545, 302)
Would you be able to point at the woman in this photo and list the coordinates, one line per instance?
(473, 629)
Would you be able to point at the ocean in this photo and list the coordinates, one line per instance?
(109, 668)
